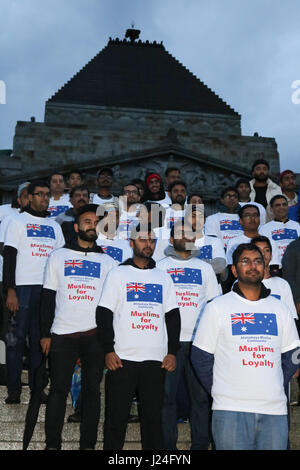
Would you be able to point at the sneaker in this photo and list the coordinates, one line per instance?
(13, 398)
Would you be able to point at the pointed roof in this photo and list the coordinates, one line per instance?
(136, 74)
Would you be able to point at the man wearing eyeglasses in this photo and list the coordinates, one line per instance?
(29, 240)
(129, 207)
(245, 352)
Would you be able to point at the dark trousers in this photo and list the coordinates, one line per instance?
(147, 378)
(64, 352)
(27, 324)
(200, 405)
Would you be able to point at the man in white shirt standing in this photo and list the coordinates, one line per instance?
(195, 284)
(245, 352)
(29, 239)
(140, 324)
(72, 287)
(281, 231)
(104, 183)
(59, 201)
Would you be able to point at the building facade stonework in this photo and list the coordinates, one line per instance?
(129, 127)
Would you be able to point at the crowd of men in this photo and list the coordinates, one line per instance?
(180, 309)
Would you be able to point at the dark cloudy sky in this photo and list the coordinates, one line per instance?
(247, 51)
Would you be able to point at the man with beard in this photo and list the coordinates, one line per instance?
(262, 187)
(129, 206)
(245, 353)
(289, 188)
(140, 324)
(196, 284)
(29, 239)
(72, 287)
(79, 196)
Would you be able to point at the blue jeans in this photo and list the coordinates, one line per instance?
(234, 430)
(199, 404)
(27, 324)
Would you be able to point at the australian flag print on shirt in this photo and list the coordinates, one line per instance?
(140, 292)
(227, 224)
(40, 231)
(185, 275)
(113, 252)
(254, 324)
(205, 252)
(284, 234)
(79, 267)
(56, 210)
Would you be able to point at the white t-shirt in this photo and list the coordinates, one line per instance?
(172, 216)
(281, 234)
(281, 289)
(6, 209)
(210, 248)
(34, 239)
(139, 299)
(224, 226)
(126, 222)
(3, 227)
(77, 277)
(247, 339)
(59, 206)
(262, 210)
(161, 243)
(195, 284)
(118, 249)
(96, 199)
(233, 244)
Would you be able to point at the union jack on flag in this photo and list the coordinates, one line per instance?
(176, 271)
(243, 318)
(135, 286)
(228, 224)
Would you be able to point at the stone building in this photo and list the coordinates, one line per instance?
(135, 108)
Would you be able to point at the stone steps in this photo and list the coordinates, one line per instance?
(12, 422)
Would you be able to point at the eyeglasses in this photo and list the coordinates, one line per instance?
(134, 191)
(248, 262)
(42, 194)
(232, 196)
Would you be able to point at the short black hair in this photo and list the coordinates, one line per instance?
(177, 183)
(104, 169)
(193, 194)
(141, 228)
(242, 181)
(78, 172)
(226, 190)
(84, 209)
(130, 184)
(260, 161)
(277, 196)
(81, 187)
(34, 184)
(56, 173)
(243, 208)
(244, 247)
(171, 168)
(261, 239)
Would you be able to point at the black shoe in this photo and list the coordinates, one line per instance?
(13, 398)
(74, 418)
